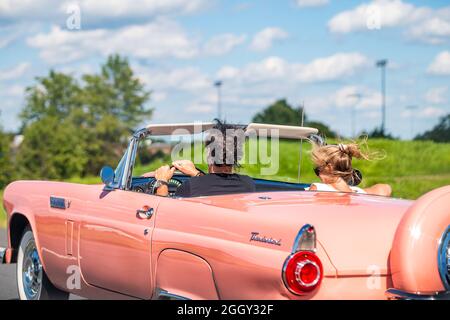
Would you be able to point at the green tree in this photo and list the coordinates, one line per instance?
(56, 95)
(282, 113)
(6, 167)
(115, 102)
(75, 127)
(378, 133)
(440, 133)
(117, 92)
(51, 149)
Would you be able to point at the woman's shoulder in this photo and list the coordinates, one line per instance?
(321, 187)
(358, 189)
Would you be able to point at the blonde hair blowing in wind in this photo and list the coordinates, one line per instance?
(339, 157)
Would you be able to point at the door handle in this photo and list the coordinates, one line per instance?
(145, 212)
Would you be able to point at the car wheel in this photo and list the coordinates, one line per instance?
(32, 282)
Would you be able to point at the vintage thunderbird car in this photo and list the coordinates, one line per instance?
(118, 240)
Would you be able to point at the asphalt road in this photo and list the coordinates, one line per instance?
(8, 287)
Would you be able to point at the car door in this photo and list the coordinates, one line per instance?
(115, 241)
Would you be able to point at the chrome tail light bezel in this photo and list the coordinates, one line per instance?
(444, 259)
(305, 243)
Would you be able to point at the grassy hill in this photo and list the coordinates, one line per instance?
(412, 168)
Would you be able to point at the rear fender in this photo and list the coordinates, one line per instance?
(414, 255)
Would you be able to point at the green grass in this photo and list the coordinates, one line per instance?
(412, 168)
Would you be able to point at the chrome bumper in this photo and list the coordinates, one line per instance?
(2, 255)
(396, 294)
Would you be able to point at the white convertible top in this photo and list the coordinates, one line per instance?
(286, 132)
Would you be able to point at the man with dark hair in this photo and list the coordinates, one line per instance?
(224, 145)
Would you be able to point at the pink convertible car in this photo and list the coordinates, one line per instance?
(118, 240)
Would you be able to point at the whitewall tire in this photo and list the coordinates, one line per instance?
(32, 282)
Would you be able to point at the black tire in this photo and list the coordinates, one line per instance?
(32, 282)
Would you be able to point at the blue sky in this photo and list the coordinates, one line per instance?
(320, 52)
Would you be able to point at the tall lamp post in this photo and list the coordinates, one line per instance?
(358, 97)
(382, 65)
(218, 85)
(411, 119)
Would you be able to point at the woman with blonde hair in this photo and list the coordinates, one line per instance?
(333, 165)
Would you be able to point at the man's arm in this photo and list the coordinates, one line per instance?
(163, 175)
(187, 167)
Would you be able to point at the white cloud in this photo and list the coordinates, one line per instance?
(223, 43)
(435, 30)
(96, 10)
(158, 96)
(432, 112)
(205, 103)
(441, 64)
(424, 24)
(311, 3)
(14, 72)
(436, 95)
(356, 96)
(188, 79)
(27, 9)
(391, 13)
(200, 108)
(160, 38)
(264, 39)
(12, 91)
(8, 34)
(136, 8)
(333, 67)
(329, 68)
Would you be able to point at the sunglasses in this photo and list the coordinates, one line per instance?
(317, 171)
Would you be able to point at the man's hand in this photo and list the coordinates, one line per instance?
(150, 174)
(165, 173)
(187, 167)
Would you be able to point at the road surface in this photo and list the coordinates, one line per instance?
(8, 287)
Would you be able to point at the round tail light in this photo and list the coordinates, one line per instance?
(302, 272)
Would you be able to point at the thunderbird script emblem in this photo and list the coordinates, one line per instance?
(256, 237)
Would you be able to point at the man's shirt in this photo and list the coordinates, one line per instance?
(216, 184)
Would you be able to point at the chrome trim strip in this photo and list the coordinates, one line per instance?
(166, 295)
(2, 255)
(303, 237)
(283, 273)
(396, 294)
(444, 258)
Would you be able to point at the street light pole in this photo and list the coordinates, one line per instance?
(411, 119)
(352, 116)
(382, 65)
(218, 85)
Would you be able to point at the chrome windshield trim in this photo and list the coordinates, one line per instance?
(444, 258)
(126, 174)
(396, 294)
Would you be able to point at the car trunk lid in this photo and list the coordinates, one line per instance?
(355, 230)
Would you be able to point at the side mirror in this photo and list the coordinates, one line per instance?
(107, 175)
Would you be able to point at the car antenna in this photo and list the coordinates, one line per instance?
(302, 119)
